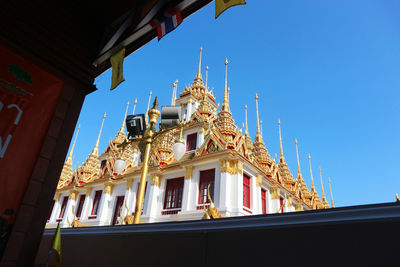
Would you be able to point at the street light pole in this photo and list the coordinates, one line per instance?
(153, 114)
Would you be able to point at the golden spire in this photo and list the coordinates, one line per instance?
(122, 130)
(96, 147)
(69, 159)
(206, 76)
(134, 106)
(148, 103)
(281, 158)
(298, 161)
(322, 184)
(245, 112)
(261, 127)
(198, 79)
(225, 103)
(258, 132)
(174, 84)
(312, 179)
(148, 107)
(330, 188)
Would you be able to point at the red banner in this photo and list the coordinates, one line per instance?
(28, 97)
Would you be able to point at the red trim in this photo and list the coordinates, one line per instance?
(281, 204)
(202, 206)
(96, 202)
(173, 193)
(264, 201)
(207, 177)
(247, 210)
(191, 142)
(170, 212)
(117, 209)
(82, 199)
(246, 191)
(63, 206)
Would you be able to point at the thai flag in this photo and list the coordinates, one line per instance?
(166, 22)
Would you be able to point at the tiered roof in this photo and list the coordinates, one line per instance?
(220, 134)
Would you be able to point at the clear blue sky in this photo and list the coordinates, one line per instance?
(330, 70)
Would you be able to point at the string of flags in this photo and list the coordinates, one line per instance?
(164, 22)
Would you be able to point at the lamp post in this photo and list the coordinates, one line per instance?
(136, 126)
(153, 114)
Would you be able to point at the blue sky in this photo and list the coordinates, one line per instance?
(328, 69)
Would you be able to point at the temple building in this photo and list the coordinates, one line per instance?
(222, 163)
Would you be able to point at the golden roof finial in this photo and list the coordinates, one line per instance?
(134, 106)
(261, 127)
(148, 107)
(312, 179)
(225, 103)
(69, 159)
(281, 158)
(96, 148)
(245, 112)
(198, 79)
(322, 184)
(123, 123)
(174, 84)
(206, 76)
(298, 161)
(330, 188)
(258, 132)
(397, 197)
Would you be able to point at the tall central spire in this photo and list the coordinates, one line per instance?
(225, 103)
(198, 80)
(322, 184)
(281, 158)
(96, 147)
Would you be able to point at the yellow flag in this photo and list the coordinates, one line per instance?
(117, 61)
(56, 245)
(222, 5)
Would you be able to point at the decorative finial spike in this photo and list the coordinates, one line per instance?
(330, 189)
(206, 76)
(69, 159)
(312, 178)
(123, 122)
(134, 106)
(225, 103)
(174, 84)
(246, 129)
(258, 132)
(96, 148)
(281, 158)
(298, 161)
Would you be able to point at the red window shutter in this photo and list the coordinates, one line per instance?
(264, 201)
(80, 206)
(246, 191)
(63, 206)
(191, 141)
(281, 203)
(174, 193)
(117, 209)
(206, 178)
(96, 202)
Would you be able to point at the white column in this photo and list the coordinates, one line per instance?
(56, 209)
(68, 215)
(187, 190)
(257, 199)
(106, 209)
(200, 137)
(127, 198)
(87, 205)
(275, 200)
(153, 207)
(189, 110)
(224, 191)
